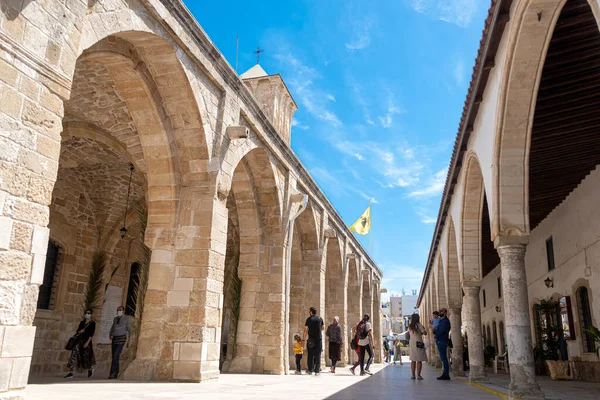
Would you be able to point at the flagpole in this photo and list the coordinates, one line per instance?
(370, 232)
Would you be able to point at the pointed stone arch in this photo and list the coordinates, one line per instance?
(453, 280)
(253, 250)
(472, 211)
(440, 283)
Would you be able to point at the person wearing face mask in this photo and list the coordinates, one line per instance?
(82, 355)
(120, 332)
(442, 332)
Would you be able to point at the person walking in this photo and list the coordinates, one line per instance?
(364, 332)
(417, 346)
(442, 339)
(314, 341)
(334, 333)
(386, 350)
(398, 352)
(298, 351)
(120, 333)
(357, 350)
(82, 354)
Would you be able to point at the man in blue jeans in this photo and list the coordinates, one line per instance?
(442, 331)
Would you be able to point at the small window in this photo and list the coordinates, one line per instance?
(134, 280)
(499, 288)
(484, 300)
(550, 253)
(52, 258)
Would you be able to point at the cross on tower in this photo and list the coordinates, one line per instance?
(257, 52)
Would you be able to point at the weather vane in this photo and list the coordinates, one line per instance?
(257, 52)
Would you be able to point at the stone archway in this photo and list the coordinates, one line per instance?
(306, 288)
(455, 299)
(335, 290)
(354, 299)
(253, 283)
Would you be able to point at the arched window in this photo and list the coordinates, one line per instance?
(585, 319)
(134, 280)
(47, 286)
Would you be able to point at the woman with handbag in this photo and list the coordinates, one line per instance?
(417, 346)
(80, 344)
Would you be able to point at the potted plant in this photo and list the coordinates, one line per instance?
(549, 351)
(594, 334)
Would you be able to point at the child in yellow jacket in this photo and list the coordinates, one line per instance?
(298, 350)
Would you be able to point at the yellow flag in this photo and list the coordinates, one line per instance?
(362, 226)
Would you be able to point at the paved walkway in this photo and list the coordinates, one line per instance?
(554, 390)
(391, 382)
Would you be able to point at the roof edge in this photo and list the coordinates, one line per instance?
(498, 17)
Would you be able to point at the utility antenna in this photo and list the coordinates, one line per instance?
(237, 46)
(257, 52)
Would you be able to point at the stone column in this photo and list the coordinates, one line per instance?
(472, 315)
(457, 342)
(30, 128)
(377, 335)
(523, 383)
(181, 326)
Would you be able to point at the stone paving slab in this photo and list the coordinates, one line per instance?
(554, 390)
(391, 382)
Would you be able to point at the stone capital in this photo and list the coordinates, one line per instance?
(504, 241)
(472, 291)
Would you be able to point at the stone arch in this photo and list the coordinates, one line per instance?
(354, 299)
(472, 211)
(307, 276)
(335, 288)
(533, 23)
(440, 283)
(454, 294)
(366, 291)
(253, 247)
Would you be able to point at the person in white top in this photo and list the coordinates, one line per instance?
(417, 346)
(364, 333)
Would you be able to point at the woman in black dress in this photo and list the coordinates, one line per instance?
(334, 333)
(82, 355)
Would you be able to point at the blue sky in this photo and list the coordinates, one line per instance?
(380, 87)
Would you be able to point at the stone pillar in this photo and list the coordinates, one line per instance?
(472, 316)
(181, 326)
(30, 127)
(377, 335)
(457, 342)
(523, 383)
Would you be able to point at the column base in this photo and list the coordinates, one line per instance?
(457, 371)
(13, 395)
(525, 391)
(477, 374)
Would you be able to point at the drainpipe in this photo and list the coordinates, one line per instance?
(295, 198)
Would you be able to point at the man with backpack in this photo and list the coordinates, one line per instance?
(314, 344)
(364, 334)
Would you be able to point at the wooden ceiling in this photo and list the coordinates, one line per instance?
(565, 141)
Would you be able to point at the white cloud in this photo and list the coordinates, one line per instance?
(331, 97)
(398, 277)
(361, 36)
(434, 187)
(392, 109)
(299, 125)
(301, 81)
(457, 12)
(459, 72)
(360, 99)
